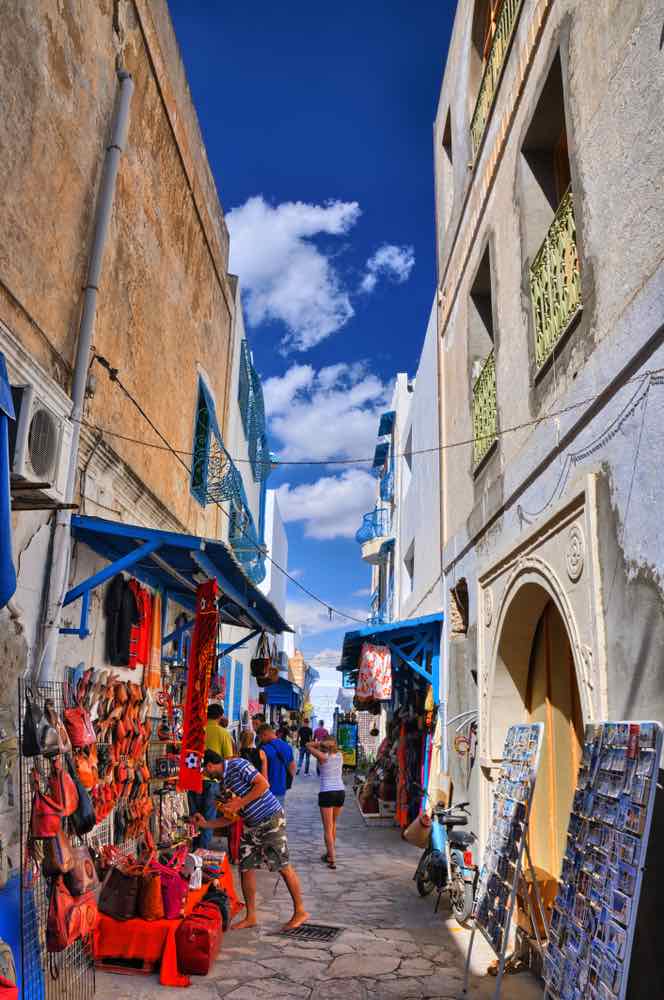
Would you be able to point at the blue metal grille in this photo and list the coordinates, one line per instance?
(244, 540)
(252, 411)
(375, 524)
(201, 450)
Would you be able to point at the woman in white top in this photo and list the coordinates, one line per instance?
(332, 791)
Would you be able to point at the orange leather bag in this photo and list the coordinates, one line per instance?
(150, 901)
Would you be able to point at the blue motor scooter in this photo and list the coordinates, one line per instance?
(447, 861)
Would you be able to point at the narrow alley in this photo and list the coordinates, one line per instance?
(392, 944)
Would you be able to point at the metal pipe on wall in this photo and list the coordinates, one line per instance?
(59, 570)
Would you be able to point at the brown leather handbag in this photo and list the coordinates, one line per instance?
(119, 893)
(58, 856)
(82, 877)
(150, 901)
(79, 727)
(62, 788)
(56, 723)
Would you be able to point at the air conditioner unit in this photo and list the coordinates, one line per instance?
(35, 445)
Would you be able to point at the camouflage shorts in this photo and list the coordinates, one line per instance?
(265, 844)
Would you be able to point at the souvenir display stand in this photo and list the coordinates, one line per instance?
(594, 914)
(502, 865)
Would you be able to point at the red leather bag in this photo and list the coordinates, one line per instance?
(62, 789)
(46, 812)
(8, 991)
(63, 924)
(79, 727)
(197, 940)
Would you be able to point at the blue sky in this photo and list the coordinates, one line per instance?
(318, 124)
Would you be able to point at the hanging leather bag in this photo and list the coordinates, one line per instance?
(119, 894)
(262, 661)
(56, 723)
(62, 789)
(39, 736)
(58, 856)
(85, 770)
(7, 966)
(79, 727)
(46, 813)
(83, 818)
(82, 876)
(69, 917)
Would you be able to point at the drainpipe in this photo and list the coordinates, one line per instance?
(59, 574)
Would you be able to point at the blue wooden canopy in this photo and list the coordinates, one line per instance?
(174, 563)
(284, 693)
(413, 642)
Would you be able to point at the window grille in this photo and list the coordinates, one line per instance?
(237, 690)
(201, 450)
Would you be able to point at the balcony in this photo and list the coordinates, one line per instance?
(374, 531)
(484, 411)
(387, 486)
(505, 25)
(555, 282)
(380, 612)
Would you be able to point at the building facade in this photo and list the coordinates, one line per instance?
(550, 353)
(136, 394)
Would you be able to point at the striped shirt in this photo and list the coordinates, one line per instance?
(238, 778)
(331, 773)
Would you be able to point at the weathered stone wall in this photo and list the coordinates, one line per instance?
(165, 305)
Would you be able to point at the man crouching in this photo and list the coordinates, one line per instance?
(264, 837)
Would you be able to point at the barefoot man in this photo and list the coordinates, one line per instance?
(264, 837)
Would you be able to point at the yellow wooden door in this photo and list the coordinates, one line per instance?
(553, 698)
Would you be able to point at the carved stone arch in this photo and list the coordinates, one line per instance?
(530, 586)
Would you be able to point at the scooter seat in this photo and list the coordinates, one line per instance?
(453, 820)
(461, 839)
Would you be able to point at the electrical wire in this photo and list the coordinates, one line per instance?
(278, 463)
(113, 374)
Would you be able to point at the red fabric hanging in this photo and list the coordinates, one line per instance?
(202, 657)
(139, 640)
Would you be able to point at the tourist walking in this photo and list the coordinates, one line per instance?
(305, 735)
(264, 839)
(320, 732)
(280, 761)
(332, 792)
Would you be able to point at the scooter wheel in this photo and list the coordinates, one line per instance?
(424, 884)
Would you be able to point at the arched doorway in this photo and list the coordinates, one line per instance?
(552, 697)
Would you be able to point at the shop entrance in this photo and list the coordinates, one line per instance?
(552, 697)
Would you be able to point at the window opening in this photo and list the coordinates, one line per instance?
(459, 608)
(409, 571)
(482, 361)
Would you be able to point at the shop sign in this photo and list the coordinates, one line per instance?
(347, 740)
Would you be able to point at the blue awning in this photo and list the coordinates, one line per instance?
(174, 563)
(284, 693)
(386, 423)
(414, 643)
(380, 454)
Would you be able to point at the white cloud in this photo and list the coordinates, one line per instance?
(285, 275)
(389, 261)
(330, 507)
(309, 618)
(332, 413)
(363, 592)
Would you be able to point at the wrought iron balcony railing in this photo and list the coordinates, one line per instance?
(505, 25)
(387, 486)
(555, 281)
(484, 410)
(375, 524)
(380, 612)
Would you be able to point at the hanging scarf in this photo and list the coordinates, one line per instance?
(153, 669)
(202, 657)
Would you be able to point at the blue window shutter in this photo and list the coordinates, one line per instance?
(226, 668)
(237, 690)
(201, 449)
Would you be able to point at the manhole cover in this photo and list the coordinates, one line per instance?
(313, 932)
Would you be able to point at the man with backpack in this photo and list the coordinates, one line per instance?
(280, 761)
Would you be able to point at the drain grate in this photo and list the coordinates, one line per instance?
(313, 932)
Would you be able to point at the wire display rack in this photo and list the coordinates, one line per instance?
(74, 967)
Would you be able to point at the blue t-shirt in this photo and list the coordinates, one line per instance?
(238, 777)
(279, 755)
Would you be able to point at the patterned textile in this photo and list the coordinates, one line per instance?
(265, 844)
(139, 641)
(153, 668)
(374, 681)
(202, 658)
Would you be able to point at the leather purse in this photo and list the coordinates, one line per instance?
(56, 723)
(82, 877)
(62, 789)
(150, 902)
(83, 818)
(119, 893)
(85, 770)
(79, 727)
(262, 661)
(58, 855)
(46, 813)
(39, 736)
(69, 917)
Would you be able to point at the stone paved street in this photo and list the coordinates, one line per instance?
(393, 945)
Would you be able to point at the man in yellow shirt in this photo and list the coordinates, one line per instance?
(217, 738)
